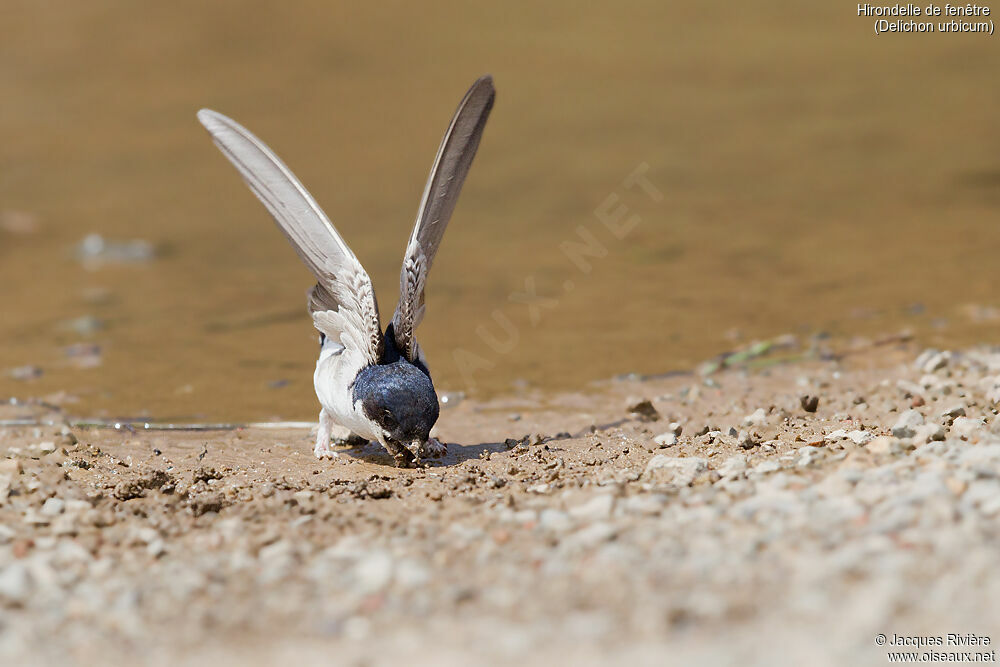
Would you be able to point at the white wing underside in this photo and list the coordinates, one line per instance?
(342, 303)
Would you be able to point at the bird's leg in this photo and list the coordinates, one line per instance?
(323, 450)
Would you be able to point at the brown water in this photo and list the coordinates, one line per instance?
(813, 177)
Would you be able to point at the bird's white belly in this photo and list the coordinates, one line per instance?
(336, 370)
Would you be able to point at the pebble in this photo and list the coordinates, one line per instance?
(906, 425)
(883, 445)
(16, 583)
(24, 373)
(733, 466)
(747, 440)
(598, 507)
(10, 468)
(53, 507)
(932, 361)
(373, 572)
(553, 519)
(757, 418)
(674, 470)
(957, 410)
(929, 433)
(649, 504)
(666, 440)
(590, 536)
(809, 403)
(643, 409)
(965, 427)
(859, 437)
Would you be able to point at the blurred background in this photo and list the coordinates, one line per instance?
(815, 178)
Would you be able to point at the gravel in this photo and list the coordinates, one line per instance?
(864, 517)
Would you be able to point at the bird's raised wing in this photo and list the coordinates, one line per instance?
(454, 157)
(342, 303)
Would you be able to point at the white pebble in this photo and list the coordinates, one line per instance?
(907, 424)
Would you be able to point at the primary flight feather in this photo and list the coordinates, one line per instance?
(376, 385)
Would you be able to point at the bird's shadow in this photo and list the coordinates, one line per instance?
(375, 454)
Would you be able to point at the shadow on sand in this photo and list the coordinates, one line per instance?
(375, 454)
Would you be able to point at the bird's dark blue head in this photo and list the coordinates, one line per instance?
(398, 396)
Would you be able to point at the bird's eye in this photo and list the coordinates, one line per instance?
(388, 421)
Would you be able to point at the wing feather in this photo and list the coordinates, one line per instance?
(342, 303)
(451, 165)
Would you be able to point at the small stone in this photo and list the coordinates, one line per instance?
(303, 497)
(807, 455)
(665, 440)
(36, 518)
(645, 504)
(956, 486)
(53, 507)
(674, 470)
(207, 503)
(591, 536)
(47, 447)
(733, 466)
(935, 361)
(907, 424)
(644, 410)
(373, 572)
(10, 468)
(598, 507)
(859, 437)
(965, 427)
(156, 548)
(747, 440)
(765, 467)
(757, 418)
(833, 436)
(129, 489)
(809, 403)
(929, 433)
(884, 445)
(16, 583)
(954, 412)
(24, 373)
(556, 520)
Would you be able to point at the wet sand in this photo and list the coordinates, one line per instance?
(722, 523)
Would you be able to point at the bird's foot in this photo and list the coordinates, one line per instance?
(434, 448)
(323, 450)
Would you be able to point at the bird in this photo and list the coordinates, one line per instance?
(375, 383)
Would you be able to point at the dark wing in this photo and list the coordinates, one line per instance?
(343, 302)
(454, 157)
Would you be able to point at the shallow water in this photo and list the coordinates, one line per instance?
(814, 177)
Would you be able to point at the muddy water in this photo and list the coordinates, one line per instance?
(803, 175)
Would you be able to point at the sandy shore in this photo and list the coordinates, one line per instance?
(722, 522)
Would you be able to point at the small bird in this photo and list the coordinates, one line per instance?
(376, 384)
